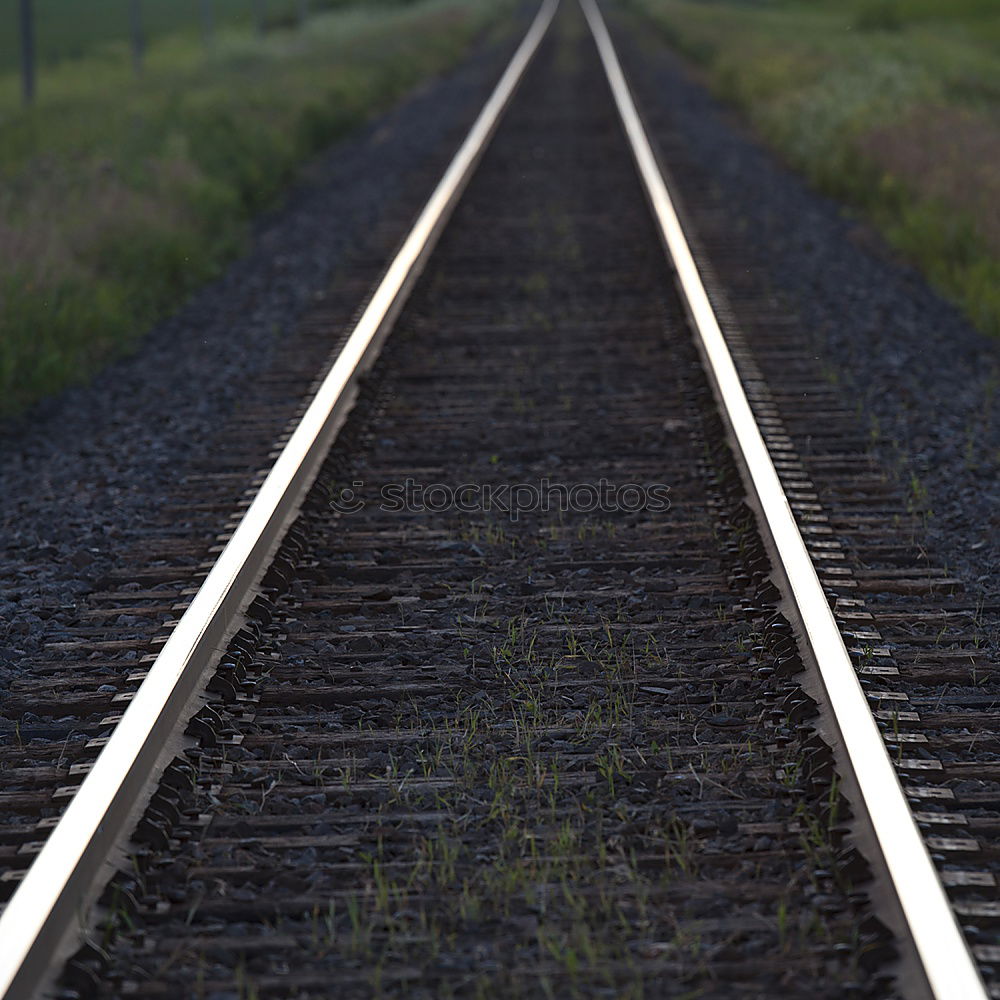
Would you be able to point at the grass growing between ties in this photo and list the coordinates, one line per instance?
(541, 839)
(120, 196)
(890, 105)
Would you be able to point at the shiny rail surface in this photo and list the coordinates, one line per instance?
(61, 883)
(950, 969)
(72, 867)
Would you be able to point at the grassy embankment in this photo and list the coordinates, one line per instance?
(69, 29)
(120, 196)
(890, 105)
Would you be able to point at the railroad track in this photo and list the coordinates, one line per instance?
(603, 746)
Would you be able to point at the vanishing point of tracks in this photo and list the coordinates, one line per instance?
(661, 718)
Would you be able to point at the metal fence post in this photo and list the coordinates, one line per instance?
(208, 24)
(261, 12)
(138, 40)
(27, 12)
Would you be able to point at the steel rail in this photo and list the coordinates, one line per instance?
(947, 963)
(47, 909)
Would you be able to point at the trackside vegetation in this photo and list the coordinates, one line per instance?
(69, 29)
(892, 106)
(121, 195)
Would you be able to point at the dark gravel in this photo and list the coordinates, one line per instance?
(927, 380)
(83, 475)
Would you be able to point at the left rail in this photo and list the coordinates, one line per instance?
(48, 911)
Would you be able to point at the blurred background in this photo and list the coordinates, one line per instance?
(138, 138)
(892, 106)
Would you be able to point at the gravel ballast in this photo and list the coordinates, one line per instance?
(83, 476)
(923, 378)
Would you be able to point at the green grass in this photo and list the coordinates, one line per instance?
(69, 29)
(119, 197)
(890, 105)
